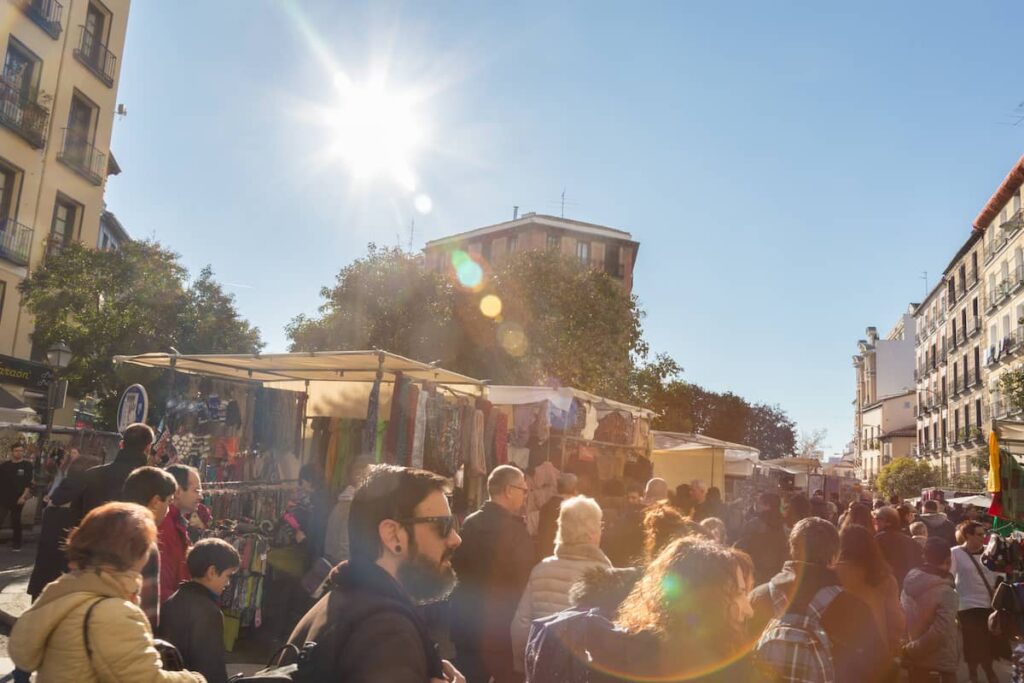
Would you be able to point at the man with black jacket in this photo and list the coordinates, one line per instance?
(493, 565)
(901, 551)
(855, 641)
(367, 629)
(105, 483)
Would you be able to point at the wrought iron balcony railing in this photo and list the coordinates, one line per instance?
(95, 56)
(82, 156)
(15, 242)
(23, 115)
(45, 13)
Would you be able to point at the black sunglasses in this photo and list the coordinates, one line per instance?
(444, 525)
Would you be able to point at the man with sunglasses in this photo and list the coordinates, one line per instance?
(493, 565)
(367, 629)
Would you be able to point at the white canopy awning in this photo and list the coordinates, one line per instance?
(314, 366)
(561, 398)
(977, 500)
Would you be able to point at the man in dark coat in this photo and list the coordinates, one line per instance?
(401, 539)
(105, 483)
(15, 488)
(493, 565)
(853, 636)
(191, 619)
(901, 551)
(764, 538)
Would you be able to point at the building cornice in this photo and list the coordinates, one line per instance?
(1011, 184)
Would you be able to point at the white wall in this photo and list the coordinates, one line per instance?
(895, 361)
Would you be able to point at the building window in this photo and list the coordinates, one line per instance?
(3, 297)
(977, 411)
(554, 243)
(485, 249)
(65, 220)
(22, 70)
(977, 364)
(513, 243)
(583, 251)
(8, 183)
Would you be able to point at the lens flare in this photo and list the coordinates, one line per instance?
(467, 271)
(512, 338)
(490, 306)
(424, 204)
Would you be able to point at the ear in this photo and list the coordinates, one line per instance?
(392, 536)
(154, 501)
(211, 573)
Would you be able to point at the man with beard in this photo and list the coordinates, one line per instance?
(367, 629)
(493, 565)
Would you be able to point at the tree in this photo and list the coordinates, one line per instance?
(811, 443)
(133, 300)
(906, 477)
(771, 431)
(970, 482)
(560, 322)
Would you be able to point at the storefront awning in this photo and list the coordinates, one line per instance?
(313, 366)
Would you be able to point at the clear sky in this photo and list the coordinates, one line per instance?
(789, 168)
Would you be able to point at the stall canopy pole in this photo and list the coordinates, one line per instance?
(305, 405)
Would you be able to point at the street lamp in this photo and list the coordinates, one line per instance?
(58, 357)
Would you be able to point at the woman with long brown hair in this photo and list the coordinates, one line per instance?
(864, 572)
(858, 514)
(692, 601)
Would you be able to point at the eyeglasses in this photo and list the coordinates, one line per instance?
(521, 488)
(444, 525)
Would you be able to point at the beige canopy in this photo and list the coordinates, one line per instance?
(339, 381)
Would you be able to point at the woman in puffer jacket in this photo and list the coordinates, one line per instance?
(87, 625)
(577, 550)
(930, 604)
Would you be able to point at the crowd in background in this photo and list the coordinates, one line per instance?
(648, 583)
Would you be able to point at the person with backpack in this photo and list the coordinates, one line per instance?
(87, 625)
(937, 522)
(367, 629)
(930, 603)
(811, 629)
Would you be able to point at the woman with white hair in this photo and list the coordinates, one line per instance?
(577, 550)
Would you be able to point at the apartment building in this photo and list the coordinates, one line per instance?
(930, 374)
(602, 248)
(58, 97)
(887, 433)
(999, 225)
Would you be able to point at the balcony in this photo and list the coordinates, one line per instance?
(1012, 224)
(972, 278)
(15, 242)
(95, 56)
(1017, 278)
(23, 115)
(973, 327)
(961, 336)
(82, 157)
(45, 13)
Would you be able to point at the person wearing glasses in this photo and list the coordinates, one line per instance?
(367, 629)
(493, 565)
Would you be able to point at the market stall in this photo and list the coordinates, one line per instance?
(680, 458)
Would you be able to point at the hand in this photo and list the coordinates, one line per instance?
(452, 674)
(299, 536)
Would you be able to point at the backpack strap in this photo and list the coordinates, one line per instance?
(822, 599)
(780, 601)
(85, 625)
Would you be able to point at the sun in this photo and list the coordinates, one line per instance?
(376, 131)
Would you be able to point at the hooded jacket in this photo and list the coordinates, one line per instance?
(939, 526)
(930, 604)
(367, 630)
(764, 538)
(49, 638)
(547, 591)
(858, 652)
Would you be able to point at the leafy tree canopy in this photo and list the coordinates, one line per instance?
(134, 300)
(906, 477)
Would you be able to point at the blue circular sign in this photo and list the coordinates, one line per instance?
(134, 407)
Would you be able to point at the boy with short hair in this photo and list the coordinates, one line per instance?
(191, 618)
(919, 532)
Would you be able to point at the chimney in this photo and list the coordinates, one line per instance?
(515, 212)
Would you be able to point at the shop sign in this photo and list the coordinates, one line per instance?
(25, 373)
(134, 406)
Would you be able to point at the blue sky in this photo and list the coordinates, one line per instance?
(789, 168)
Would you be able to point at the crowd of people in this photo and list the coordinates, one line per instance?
(647, 584)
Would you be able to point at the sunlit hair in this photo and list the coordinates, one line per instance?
(967, 528)
(858, 547)
(859, 514)
(716, 528)
(689, 589)
(115, 535)
(579, 521)
(663, 523)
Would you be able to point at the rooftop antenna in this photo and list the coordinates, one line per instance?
(515, 212)
(412, 231)
(924, 276)
(563, 202)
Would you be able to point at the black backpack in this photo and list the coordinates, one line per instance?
(299, 670)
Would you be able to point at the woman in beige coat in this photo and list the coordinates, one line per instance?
(577, 549)
(99, 601)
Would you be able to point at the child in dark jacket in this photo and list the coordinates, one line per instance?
(191, 619)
